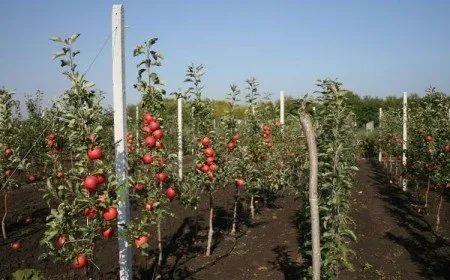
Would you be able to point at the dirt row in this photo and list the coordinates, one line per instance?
(394, 240)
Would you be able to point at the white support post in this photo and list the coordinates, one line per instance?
(180, 138)
(120, 127)
(282, 110)
(380, 154)
(405, 139)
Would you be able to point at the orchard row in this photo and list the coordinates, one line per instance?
(254, 155)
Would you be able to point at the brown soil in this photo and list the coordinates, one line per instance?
(394, 241)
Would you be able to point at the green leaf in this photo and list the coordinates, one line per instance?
(73, 38)
(57, 39)
(64, 62)
(58, 54)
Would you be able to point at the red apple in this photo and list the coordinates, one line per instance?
(149, 204)
(110, 214)
(108, 232)
(138, 242)
(148, 118)
(236, 137)
(170, 192)
(8, 172)
(150, 141)
(161, 177)
(60, 174)
(209, 152)
(206, 141)
(61, 241)
(51, 136)
(154, 125)
(27, 220)
(139, 187)
(428, 138)
(90, 183)
(95, 153)
(16, 245)
(204, 168)
(231, 146)
(90, 212)
(447, 148)
(32, 179)
(213, 166)
(158, 134)
(147, 159)
(209, 160)
(240, 183)
(8, 152)
(210, 175)
(80, 262)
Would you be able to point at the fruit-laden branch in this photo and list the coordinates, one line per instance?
(314, 205)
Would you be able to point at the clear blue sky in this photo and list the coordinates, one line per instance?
(375, 48)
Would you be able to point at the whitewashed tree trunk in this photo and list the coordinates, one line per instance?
(211, 229)
(252, 207)
(236, 201)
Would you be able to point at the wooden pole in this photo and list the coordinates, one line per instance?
(120, 127)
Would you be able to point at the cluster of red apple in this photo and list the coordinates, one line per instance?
(266, 136)
(154, 140)
(232, 144)
(209, 165)
(130, 139)
(91, 182)
(154, 132)
(51, 142)
(8, 153)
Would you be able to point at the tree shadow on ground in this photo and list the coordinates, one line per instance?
(189, 242)
(428, 250)
(283, 262)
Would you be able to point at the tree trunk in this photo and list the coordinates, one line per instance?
(236, 201)
(417, 191)
(313, 195)
(159, 244)
(160, 256)
(390, 164)
(4, 216)
(252, 207)
(438, 213)
(427, 193)
(211, 230)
